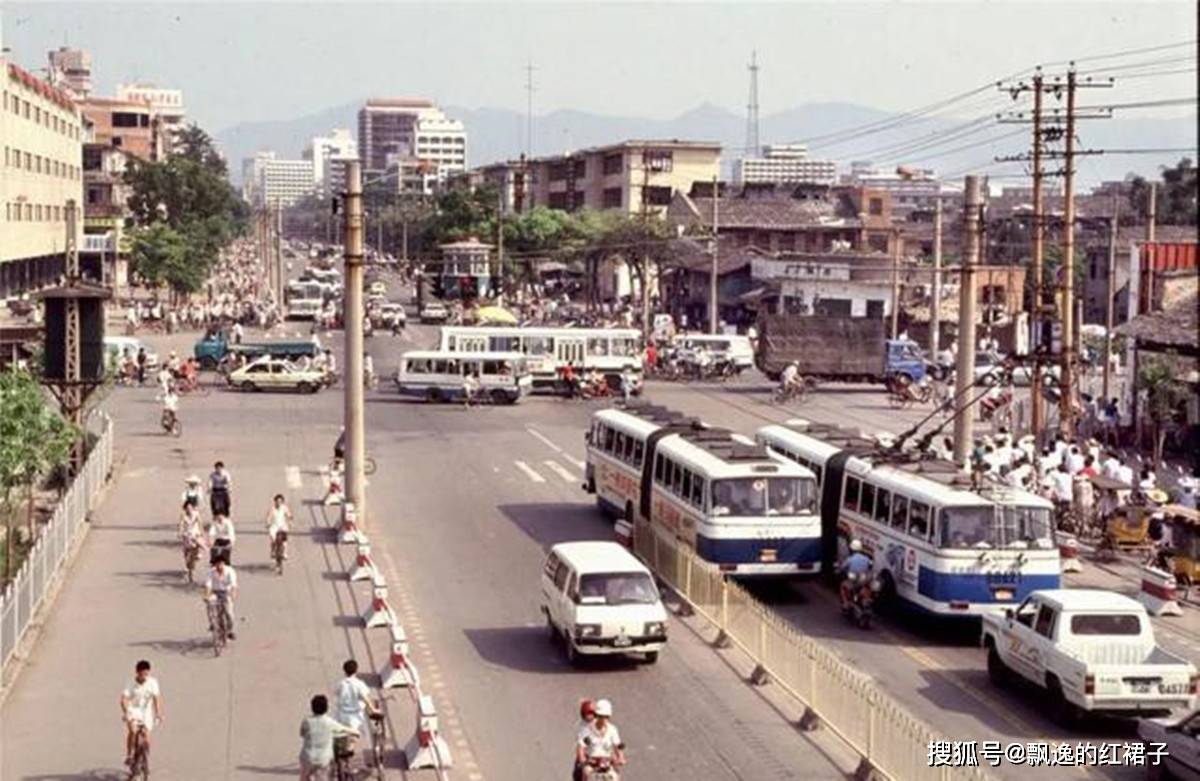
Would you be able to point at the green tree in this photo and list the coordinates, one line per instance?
(193, 143)
(1158, 376)
(163, 255)
(33, 440)
(1176, 199)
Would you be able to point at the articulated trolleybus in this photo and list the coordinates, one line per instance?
(735, 504)
(937, 544)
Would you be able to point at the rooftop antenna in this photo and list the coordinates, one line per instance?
(752, 109)
(529, 109)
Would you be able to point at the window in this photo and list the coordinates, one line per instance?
(560, 576)
(598, 346)
(658, 469)
(875, 207)
(558, 201)
(883, 500)
(558, 172)
(899, 512)
(1106, 624)
(610, 437)
(619, 445)
(1045, 621)
(918, 520)
(868, 499)
(638, 451)
(697, 497)
(677, 473)
(124, 119)
(611, 198)
(657, 196)
(628, 450)
(686, 489)
(658, 160)
(850, 500)
(613, 164)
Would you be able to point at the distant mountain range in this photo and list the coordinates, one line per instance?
(498, 134)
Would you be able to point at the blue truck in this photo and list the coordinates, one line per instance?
(841, 349)
(215, 346)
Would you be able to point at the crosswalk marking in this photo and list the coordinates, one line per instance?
(561, 471)
(546, 441)
(529, 472)
(578, 464)
(293, 476)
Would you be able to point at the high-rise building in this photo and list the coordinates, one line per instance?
(71, 71)
(394, 130)
(283, 181)
(166, 104)
(41, 135)
(784, 164)
(339, 144)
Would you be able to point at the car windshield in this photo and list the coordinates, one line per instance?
(763, 496)
(1026, 527)
(618, 588)
(970, 527)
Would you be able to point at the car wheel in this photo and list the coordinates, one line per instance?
(1063, 711)
(569, 651)
(997, 671)
(433, 395)
(651, 657)
(249, 386)
(551, 631)
(305, 387)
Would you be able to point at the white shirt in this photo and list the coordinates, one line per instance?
(1075, 463)
(348, 698)
(223, 530)
(221, 582)
(140, 700)
(1062, 485)
(171, 402)
(277, 519)
(789, 374)
(1112, 468)
(1125, 475)
(597, 744)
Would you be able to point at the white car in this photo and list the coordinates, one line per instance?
(276, 374)
(393, 314)
(434, 312)
(599, 599)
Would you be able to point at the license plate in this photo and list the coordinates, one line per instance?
(768, 555)
(1003, 594)
(622, 642)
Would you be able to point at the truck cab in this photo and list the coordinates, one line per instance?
(905, 362)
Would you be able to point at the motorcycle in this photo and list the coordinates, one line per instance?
(600, 769)
(864, 589)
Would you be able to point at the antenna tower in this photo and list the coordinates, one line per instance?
(752, 149)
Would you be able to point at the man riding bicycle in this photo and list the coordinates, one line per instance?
(222, 586)
(352, 698)
(141, 706)
(279, 519)
(170, 408)
(790, 380)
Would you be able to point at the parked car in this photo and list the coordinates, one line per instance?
(1092, 651)
(434, 312)
(1181, 736)
(599, 599)
(275, 374)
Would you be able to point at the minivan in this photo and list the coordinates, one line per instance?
(599, 599)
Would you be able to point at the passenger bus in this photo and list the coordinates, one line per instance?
(548, 350)
(937, 544)
(438, 376)
(732, 502)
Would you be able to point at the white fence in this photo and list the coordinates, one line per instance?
(25, 594)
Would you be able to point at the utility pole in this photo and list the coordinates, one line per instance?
(1152, 212)
(1039, 233)
(1066, 401)
(895, 283)
(713, 306)
(964, 420)
(500, 239)
(279, 256)
(353, 323)
(1109, 294)
(645, 250)
(529, 109)
(935, 306)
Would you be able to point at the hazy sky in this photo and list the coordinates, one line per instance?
(239, 62)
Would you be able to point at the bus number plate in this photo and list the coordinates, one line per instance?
(1003, 594)
(768, 556)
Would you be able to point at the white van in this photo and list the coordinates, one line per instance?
(731, 347)
(435, 375)
(115, 348)
(599, 599)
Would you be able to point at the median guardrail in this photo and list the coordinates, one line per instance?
(889, 740)
(25, 594)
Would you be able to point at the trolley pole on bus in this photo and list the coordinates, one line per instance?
(353, 323)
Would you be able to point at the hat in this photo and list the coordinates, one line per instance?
(604, 708)
(193, 479)
(1157, 495)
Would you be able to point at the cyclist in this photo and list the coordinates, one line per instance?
(222, 536)
(222, 586)
(141, 704)
(279, 519)
(170, 408)
(470, 388)
(600, 739)
(789, 379)
(219, 485)
(193, 494)
(191, 531)
(352, 698)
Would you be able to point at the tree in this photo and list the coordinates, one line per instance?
(1176, 200)
(164, 256)
(33, 440)
(193, 143)
(1158, 377)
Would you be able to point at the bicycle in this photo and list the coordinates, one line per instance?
(343, 756)
(218, 621)
(191, 553)
(139, 764)
(378, 726)
(170, 423)
(793, 393)
(192, 388)
(278, 549)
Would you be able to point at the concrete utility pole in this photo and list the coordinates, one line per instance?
(1152, 212)
(278, 248)
(964, 420)
(935, 306)
(356, 449)
(895, 284)
(713, 306)
(1039, 228)
(1109, 294)
(500, 239)
(1066, 402)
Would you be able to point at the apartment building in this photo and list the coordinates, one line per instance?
(166, 105)
(404, 132)
(283, 182)
(104, 250)
(71, 71)
(784, 164)
(41, 135)
(911, 189)
(323, 150)
(131, 126)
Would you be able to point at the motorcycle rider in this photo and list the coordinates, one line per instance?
(587, 716)
(855, 568)
(600, 741)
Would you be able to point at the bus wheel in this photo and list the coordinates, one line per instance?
(433, 395)
(499, 397)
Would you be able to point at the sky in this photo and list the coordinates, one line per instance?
(241, 62)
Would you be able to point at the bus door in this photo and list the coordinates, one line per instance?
(472, 344)
(569, 349)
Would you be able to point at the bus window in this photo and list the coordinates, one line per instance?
(503, 344)
(741, 496)
(638, 450)
(609, 436)
(868, 499)
(676, 479)
(416, 367)
(698, 491)
(686, 488)
(918, 520)
(968, 527)
(658, 469)
(817, 473)
(628, 449)
(622, 346)
(882, 505)
(850, 501)
(598, 346)
(899, 512)
(538, 345)
(619, 446)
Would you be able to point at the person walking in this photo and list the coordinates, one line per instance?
(317, 733)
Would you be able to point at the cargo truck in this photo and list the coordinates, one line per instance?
(844, 349)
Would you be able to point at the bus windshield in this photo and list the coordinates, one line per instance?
(1026, 527)
(969, 527)
(763, 496)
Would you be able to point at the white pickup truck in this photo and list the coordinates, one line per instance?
(1092, 651)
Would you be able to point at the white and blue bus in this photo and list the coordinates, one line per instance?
(438, 376)
(731, 501)
(937, 544)
(612, 351)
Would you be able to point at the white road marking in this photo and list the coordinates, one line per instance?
(532, 475)
(578, 464)
(561, 471)
(293, 476)
(544, 440)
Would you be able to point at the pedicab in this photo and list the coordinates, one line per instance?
(1184, 553)
(1128, 527)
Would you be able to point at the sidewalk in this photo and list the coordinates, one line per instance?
(236, 716)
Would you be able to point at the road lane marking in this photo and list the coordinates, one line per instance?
(578, 464)
(528, 470)
(293, 476)
(545, 440)
(561, 471)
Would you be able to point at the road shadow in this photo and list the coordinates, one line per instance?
(103, 774)
(153, 543)
(530, 649)
(164, 578)
(278, 770)
(192, 647)
(350, 622)
(555, 522)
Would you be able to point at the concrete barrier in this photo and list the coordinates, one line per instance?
(1068, 552)
(380, 613)
(427, 748)
(400, 672)
(1159, 594)
(349, 533)
(364, 568)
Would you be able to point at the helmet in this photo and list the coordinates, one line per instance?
(587, 708)
(856, 546)
(604, 708)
